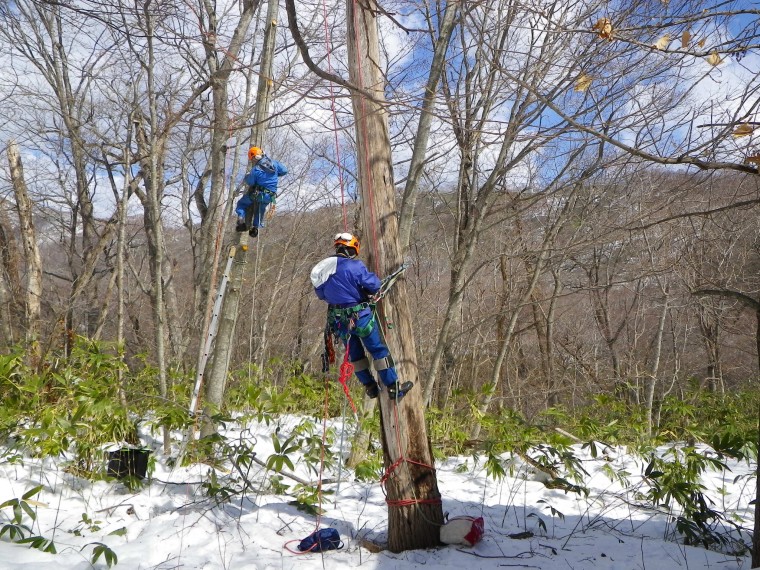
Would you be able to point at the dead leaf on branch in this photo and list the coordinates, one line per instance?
(714, 59)
(663, 43)
(685, 37)
(743, 130)
(583, 83)
(603, 28)
(702, 42)
(753, 159)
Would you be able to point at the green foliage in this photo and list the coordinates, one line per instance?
(369, 470)
(86, 523)
(72, 404)
(673, 481)
(280, 457)
(17, 530)
(448, 431)
(102, 550)
(221, 490)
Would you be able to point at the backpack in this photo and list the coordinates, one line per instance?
(463, 530)
(321, 540)
(266, 164)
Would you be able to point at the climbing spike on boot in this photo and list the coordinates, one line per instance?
(372, 391)
(399, 390)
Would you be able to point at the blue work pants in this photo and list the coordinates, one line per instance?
(358, 347)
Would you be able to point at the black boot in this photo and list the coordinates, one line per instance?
(399, 389)
(372, 390)
(241, 226)
(253, 232)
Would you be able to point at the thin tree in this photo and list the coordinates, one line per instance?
(216, 371)
(33, 293)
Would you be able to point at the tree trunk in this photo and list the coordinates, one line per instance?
(414, 505)
(31, 253)
(756, 528)
(651, 381)
(10, 288)
(426, 118)
(216, 376)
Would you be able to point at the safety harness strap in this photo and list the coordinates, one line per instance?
(384, 363)
(253, 191)
(359, 365)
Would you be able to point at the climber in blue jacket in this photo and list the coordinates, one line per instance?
(346, 284)
(262, 183)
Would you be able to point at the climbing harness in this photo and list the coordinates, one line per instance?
(343, 320)
(261, 194)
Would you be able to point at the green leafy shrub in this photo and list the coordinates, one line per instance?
(17, 529)
(673, 481)
(72, 405)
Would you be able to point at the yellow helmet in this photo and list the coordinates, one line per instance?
(255, 152)
(348, 240)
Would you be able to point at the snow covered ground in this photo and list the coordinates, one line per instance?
(171, 523)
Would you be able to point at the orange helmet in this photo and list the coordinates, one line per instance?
(255, 152)
(348, 240)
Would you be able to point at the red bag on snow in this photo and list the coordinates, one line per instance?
(463, 530)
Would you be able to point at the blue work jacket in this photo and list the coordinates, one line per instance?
(343, 282)
(266, 174)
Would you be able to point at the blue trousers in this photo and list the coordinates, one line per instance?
(372, 343)
(259, 208)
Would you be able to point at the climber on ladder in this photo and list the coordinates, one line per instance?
(262, 183)
(349, 288)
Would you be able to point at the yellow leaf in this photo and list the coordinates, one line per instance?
(685, 37)
(702, 42)
(714, 59)
(36, 503)
(742, 130)
(603, 27)
(662, 43)
(583, 83)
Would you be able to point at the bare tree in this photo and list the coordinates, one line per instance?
(33, 261)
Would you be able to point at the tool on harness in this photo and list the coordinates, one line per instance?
(321, 540)
(328, 356)
(387, 283)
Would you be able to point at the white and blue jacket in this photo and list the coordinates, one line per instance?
(343, 282)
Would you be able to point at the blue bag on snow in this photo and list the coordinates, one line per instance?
(321, 540)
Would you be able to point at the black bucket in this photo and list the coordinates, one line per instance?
(127, 462)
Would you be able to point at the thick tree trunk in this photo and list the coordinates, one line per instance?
(414, 507)
(31, 254)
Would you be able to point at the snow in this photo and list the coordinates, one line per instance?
(171, 523)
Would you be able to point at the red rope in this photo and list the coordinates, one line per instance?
(346, 369)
